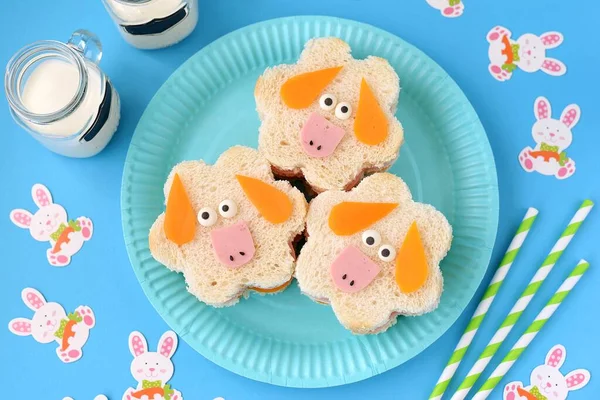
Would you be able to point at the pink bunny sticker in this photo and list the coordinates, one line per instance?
(152, 370)
(448, 8)
(552, 138)
(527, 53)
(547, 382)
(50, 323)
(50, 224)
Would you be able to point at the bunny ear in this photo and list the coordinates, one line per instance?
(556, 356)
(20, 326)
(41, 195)
(32, 298)
(542, 108)
(137, 344)
(21, 218)
(554, 67)
(167, 344)
(552, 39)
(577, 379)
(570, 115)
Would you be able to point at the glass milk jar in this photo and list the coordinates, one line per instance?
(57, 92)
(152, 24)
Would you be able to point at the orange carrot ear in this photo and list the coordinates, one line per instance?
(370, 122)
(274, 205)
(301, 90)
(180, 219)
(348, 218)
(411, 262)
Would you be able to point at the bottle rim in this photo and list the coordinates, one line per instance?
(24, 59)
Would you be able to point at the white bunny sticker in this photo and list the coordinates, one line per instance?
(50, 323)
(547, 382)
(50, 224)
(552, 138)
(527, 53)
(448, 8)
(152, 370)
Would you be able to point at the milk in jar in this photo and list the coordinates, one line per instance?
(153, 24)
(59, 94)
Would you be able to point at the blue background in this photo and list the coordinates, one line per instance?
(100, 275)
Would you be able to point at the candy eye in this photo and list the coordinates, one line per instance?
(387, 253)
(207, 216)
(228, 208)
(327, 102)
(343, 110)
(371, 238)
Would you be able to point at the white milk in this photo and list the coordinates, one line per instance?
(139, 14)
(51, 86)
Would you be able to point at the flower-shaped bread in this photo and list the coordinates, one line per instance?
(329, 117)
(229, 227)
(373, 253)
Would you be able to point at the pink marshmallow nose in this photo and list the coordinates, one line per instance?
(552, 134)
(233, 245)
(48, 222)
(152, 369)
(529, 52)
(548, 384)
(320, 137)
(48, 323)
(352, 270)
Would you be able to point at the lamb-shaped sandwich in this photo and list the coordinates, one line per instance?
(329, 117)
(373, 253)
(229, 227)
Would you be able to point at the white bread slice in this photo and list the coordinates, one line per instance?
(206, 186)
(374, 308)
(279, 135)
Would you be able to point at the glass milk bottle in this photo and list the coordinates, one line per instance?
(152, 24)
(57, 92)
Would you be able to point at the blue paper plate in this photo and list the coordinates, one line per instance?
(207, 105)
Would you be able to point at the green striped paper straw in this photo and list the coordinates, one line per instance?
(539, 322)
(531, 289)
(484, 304)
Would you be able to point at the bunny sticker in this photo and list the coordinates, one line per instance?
(547, 382)
(552, 138)
(50, 224)
(527, 53)
(152, 370)
(50, 323)
(99, 397)
(448, 8)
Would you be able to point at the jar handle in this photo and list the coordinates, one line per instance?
(86, 43)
